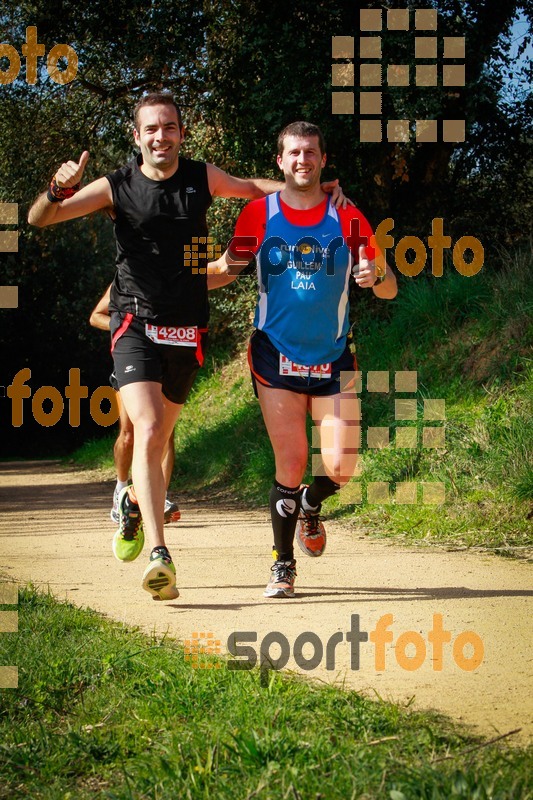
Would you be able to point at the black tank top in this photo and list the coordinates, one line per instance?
(154, 221)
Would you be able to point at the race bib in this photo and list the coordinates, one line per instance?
(179, 337)
(288, 367)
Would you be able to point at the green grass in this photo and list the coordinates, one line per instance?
(95, 453)
(103, 711)
(469, 340)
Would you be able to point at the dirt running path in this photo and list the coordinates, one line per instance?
(55, 531)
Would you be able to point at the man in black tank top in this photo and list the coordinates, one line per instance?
(155, 220)
(159, 308)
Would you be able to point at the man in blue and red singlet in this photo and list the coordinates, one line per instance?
(299, 354)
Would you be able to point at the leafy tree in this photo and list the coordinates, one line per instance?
(271, 64)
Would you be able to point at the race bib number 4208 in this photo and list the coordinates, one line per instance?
(168, 334)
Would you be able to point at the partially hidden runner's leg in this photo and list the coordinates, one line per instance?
(123, 448)
(168, 459)
(153, 417)
(284, 413)
(122, 455)
(172, 512)
(338, 419)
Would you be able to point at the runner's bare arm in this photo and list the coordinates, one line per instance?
(387, 289)
(223, 185)
(100, 314)
(93, 197)
(224, 270)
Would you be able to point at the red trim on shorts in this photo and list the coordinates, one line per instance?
(352, 383)
(256, 375)
(199, 350)
(126, 322)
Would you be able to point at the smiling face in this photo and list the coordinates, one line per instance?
(301, 162)
(159, 136)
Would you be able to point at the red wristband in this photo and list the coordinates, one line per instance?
(62, 192)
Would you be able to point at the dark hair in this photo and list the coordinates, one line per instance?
(156, 99)
(301, 129)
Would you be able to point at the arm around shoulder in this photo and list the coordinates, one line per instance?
(223, 185)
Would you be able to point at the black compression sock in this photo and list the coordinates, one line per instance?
(284, 507)
(321, 488)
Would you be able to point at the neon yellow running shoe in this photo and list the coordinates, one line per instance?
(128, 541)
(160, 576)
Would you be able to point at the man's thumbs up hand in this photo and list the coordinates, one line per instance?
(364, 273)
(70, 173)
(363, 258)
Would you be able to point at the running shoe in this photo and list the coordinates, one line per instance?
(160, 577)
(128, 541)
(115, 516)
(310, 533)
(281, 583)
(172, 511)
(114, 513)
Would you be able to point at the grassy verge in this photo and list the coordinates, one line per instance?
(469, 341)
(111, 713)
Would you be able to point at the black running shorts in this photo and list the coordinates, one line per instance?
(137, 358)
(113, 382)
(264, 362)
